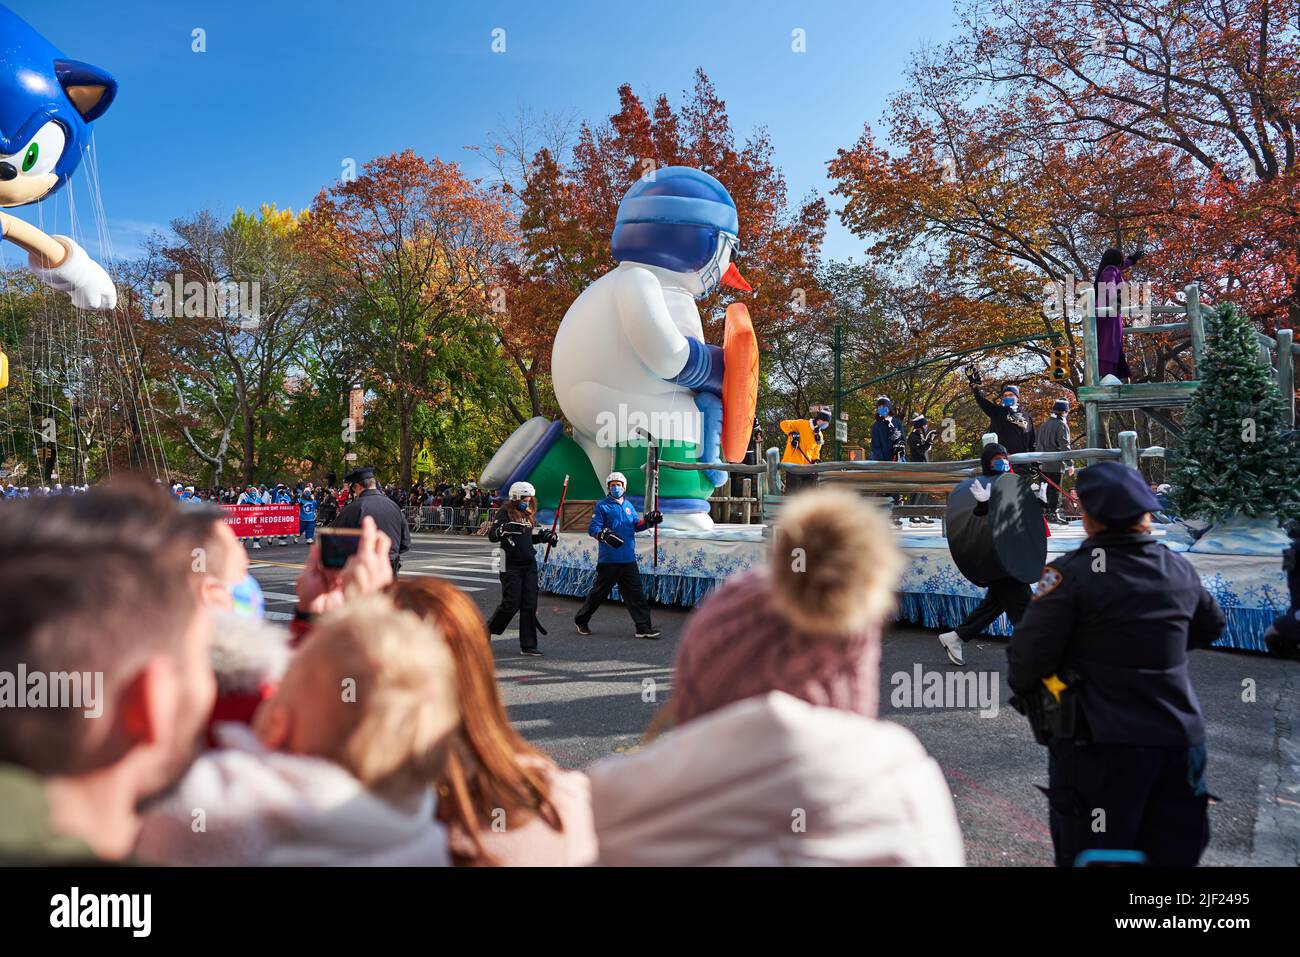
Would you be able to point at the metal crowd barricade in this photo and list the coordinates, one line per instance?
(447, 518)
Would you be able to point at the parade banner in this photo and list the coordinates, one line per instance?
(255, 521)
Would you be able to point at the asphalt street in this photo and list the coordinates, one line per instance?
(590, 698)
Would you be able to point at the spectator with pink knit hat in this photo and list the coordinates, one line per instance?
(808, 624)
(774, 754)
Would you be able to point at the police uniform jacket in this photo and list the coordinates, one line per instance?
(1121, 611)
(388, 518)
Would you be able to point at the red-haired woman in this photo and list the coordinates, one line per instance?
(502, 800)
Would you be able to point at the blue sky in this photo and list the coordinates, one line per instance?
(288, 89)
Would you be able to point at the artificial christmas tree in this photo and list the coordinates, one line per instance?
(1235, 459)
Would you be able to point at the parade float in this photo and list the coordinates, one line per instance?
(644, 394)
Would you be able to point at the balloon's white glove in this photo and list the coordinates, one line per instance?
(1040, 488)
(79, 276)
(981, 492)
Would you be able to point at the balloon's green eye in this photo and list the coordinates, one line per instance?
(29, 160)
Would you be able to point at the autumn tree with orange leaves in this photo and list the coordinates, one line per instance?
(567, 194)
(1047, 132)
(411, 247)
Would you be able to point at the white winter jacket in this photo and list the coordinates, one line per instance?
(773, 780)
(241, 805)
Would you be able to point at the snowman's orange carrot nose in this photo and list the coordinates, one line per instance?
(735, 280)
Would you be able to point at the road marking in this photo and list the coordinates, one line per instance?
(279, 596)
(418, 575)
(461, 578)
(278, 616)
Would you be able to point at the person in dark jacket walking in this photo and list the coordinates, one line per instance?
(1114, 621)
(369, 499)
(1054, 436)
(1013, 427)
(515, 529)
(1009, 595)
(614, 524)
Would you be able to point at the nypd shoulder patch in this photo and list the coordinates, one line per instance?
(1050, 579)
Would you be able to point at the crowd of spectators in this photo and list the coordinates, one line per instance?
(200, 704)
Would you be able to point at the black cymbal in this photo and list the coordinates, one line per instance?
(1010, 540)
(1019, 532)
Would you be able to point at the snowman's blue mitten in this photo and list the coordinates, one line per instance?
(703, 369)
(710, 407)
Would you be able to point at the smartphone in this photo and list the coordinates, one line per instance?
(337, 545)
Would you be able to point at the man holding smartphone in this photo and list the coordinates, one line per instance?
(368, 499)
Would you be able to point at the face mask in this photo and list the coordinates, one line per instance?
(525, 506)
(616, 490)
(248, 598)
(1009, 401)
(883, 410)
(1001, 465)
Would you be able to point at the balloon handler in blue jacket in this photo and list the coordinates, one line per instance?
(307, 506)
(614, 524)
(516, 530)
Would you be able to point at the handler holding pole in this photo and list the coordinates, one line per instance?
(614, 524)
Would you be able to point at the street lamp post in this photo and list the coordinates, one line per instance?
(835, 415)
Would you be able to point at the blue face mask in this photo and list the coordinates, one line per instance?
(616, 491)
(882, 410)
(1001, 465)
(249, 602)
(1009, 401)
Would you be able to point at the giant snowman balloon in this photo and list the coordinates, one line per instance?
(630, 352)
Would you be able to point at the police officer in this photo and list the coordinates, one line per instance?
(1114, 621)
(369, 499)
(614, 524)
(515, 529)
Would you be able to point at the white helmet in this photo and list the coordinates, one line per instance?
(615, 477)
(522, 490)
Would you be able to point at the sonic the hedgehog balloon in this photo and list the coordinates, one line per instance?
(47, 103)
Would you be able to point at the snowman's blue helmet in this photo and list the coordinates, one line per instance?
(672, 218)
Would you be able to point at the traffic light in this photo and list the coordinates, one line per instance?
(1061, 361)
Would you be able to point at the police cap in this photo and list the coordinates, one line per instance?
(1115, 494)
